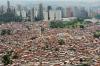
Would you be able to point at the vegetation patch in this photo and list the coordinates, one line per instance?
(97, 34)
(67, 24)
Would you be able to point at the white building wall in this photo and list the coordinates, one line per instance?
(52, 12)
(45, 15)
(23, 13)
(58, 15)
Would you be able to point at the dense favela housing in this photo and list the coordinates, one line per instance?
(49, 36)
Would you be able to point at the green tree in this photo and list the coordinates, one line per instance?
(6, 59)
(82, 26)
(97, 34)
(83, 65)
(61, 42)
(5, 31)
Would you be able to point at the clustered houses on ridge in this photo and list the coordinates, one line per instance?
(52, 47)
(49, 35)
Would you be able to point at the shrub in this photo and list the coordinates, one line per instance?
(57, 24)
(83, 65)
(5, 31)
(61, 42)
(97, 34)
(6, 59)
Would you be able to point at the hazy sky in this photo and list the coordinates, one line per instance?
(52, 2)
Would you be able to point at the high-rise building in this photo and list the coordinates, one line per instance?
(62, 11)
(91, 12)
(76, 11)
(83, 13)
(52, 15)
(1, 10)
(46, 16)
(8, 7)
(80, 12)
(19, 10)
(58, 14)
(69, 12)
(40, 15)
(48, 10)
(32, 15)
(35, 12)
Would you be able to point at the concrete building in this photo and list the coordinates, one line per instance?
(83, 13)
(8, 7)
(40, 15)
(69, 12)
(45, 13)
(52, 14)
(23, 12)
(76, 12)
(58, 15)
(32, 15)
(80, 12)
(91, 13)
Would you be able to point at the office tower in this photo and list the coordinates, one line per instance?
(8, 7)
(48, 10)
(52, 15)
(1, 10)
(83, 13)
(62, 11)
(14, 11)
(91, 13)
(29, 15)
(35, 13)
(32, 14)
(76, 12)
(58, 14)
(40, 12)
(69, 12)
(45, 15)
(14, 14)
(24, 14)
(80, 12)
(20, 10)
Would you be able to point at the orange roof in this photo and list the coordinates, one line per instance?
(18, 50)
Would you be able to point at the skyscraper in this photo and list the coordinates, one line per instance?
(83, 13)
(80, 12)
(69, 12)
(76, 12)
(40, 15)
(52, 14)
(1, 10)
(20, 10)
(58, 13)
(62, 11)
(32, 15)
(48, 10)
(8, 7)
